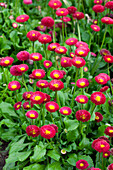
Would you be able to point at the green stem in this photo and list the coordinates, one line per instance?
(110, 80)
(65, 31)
(62, 30)
(33, 46)
(45, 52)
(78, 27)
(24, 82)
(103, 37)
(102, 163)
(54, 37)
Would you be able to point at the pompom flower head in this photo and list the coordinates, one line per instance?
(82, 164)
(78, 62)
(47, 131)
(83, 115)
(109, 131)
(47, 21)
(52, 106)
(62, 12)
(33, 35)
(33, 130)
(56, 85)
(37, 97)
(14, 85)
(32, 114)
(55, 4)
(98, 98)
(65, 110)
(23, 55)
(83, 82)
(38, 73)
(44, 39)
(6, 61)
(22, 18)
(56, 74)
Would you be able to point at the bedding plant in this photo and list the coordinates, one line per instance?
(56, 84)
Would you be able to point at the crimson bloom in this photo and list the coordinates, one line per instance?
(53, 46)
(17, 105)
(103, 89)
(107, 20)
(33, 130)
(56, 85)
(33, 35)
(27, 95)
(71, 9)
(52, 106)
(107, 77)
(47, 21)
(55, 127)
(66, 62)
(42, 84)
(100, 79)
(106, 154)
(27, 105)
(56, 74)
(82, 99)
(83, 115)
(78, 62)
(55, 4)
(95, 28)
(82, 164)
(22, 68)
(109, 131)
(44, 39)
(110, 167)
(65, 110)
(61, 50)
(47, 131)
(71, 41)
(15, 25)
(66, 19)
(14, 71)
(81, 51)
(62, 12)
(36, 56)
(83, 82)
(100, 145)
(97, 1)
(46, 98)
(23, 55)
(85, 69)
(81, 44)
(98, 98)
(47, 63)
(32, 114)
(109, 5)
(14, 85)
(72, 55)
(78, 15)
(27, 2)
(98, 117)
(22, 18)
(6, 61)
(41, 28)
(37, 97)
(108, 58)
(98, 8)
(38, 73)
(95, 21)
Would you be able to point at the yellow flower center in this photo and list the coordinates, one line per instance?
(42, 84)
(47, 64)
(81, 52)
(105, 53)
(82, 100)
(56, 75)
(55, 85)
(77, 14)
(65, 111)
(95, 28)
(82, 83)
(33, 35)
(100, 80)
(37, 98)
(41, 26)
(78, 62)
(36, 57)
(53, 47)
(27, 106)
(14, 86)
(109, 59)
(44, 38)
(81, 164)
(95, 22)
(22, 18)
(14, 25)
(71, 40)
(111, 131)
(55, 4)
(83, 116)
(6, 61)
(106, 154)
(97, 118)
(65, 61)
(61, 50)
(98, 98)
(22, 68)
(33, 132)
(52, 107)
(28, 96)
(18, 106)
(97, 1)
(32, 115)
(62, 12)
(72, 55)
(38, 74)
(47, 132)
(102, 146)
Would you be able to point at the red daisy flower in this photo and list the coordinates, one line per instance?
(46, 98)
(47, 63)
(41, 28)
(78, 15)
(81, 44)
(98, 98)
(14, 85)
(52, 106)
(110, 167)
(53, 46)
(47, 131)
(85, 69)
(78, 62)
(107, 20)
(33, 130)
(6, 61)
(95, 28)
(109, 5)
(83, 115)
(33, 35)
(56, 85)
(93, 54)
(82, 52)
(101, 146)
(71, 41)
(44, 39)
(32, 114)
(55, 4)
(66, 19)
(97, 1)
(56, 74)
(100, 79)
(14, 72)
(37, 97)
(47, 21)
(95, 21)
(105, 75)
(62, 12)
(72, 54)
(22, 68)
(65, 110)
(98, 8)
(109, 131)
(27, 2)
(22, 18)
(83, 82)
(15, 25)
(61, 50)
(36, 56)
(66, 62)
(23, 55)
(17, 105)
(106, 154)
(42, 84)
(108, 58)
(72, 9)
(27, 105)
(82, 164)
(38, 73)
(55, 127)
(27, 95)
(98, 117)
(103, 89)
(81, 99)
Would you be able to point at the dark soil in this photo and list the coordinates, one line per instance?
(3, 154)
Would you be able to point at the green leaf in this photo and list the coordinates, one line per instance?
(88, 159)
(71, 124)
(54, 166)
(54, 155)
(85, 143)
(72, 159)
(22, 156)
(72, 135)
(39, 152)
(35, 167)
(7, 122)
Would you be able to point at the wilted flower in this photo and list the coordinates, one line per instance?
(103, 89)
(41, 28)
